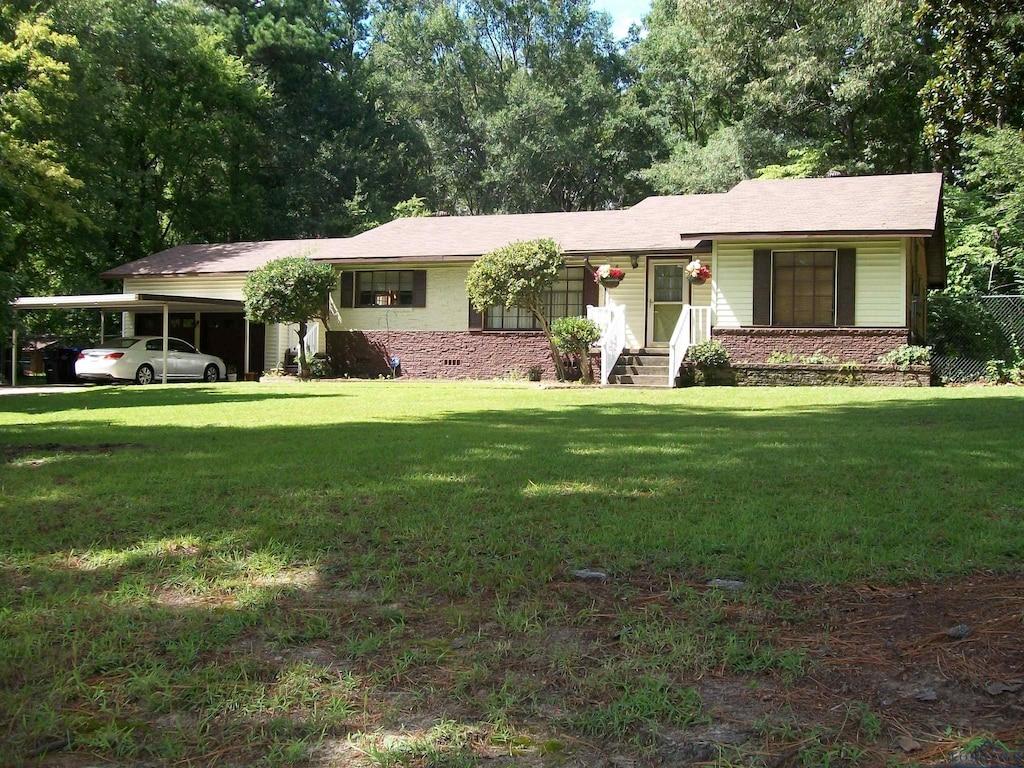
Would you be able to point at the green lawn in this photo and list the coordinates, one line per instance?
(253, 573)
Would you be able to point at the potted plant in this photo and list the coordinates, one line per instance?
(697, 273)
(608, 276)
(232, 372)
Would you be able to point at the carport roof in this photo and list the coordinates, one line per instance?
(115, 302)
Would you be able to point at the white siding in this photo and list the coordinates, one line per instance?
(880, 296)
(229, 287)
(213, 287)
(701, 295)
(881, 285)
(447, 306)
(630, 293)
(733, 278)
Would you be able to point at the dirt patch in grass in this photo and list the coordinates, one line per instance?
(14, 452)
(627, 673)
(935, 663)
(880, 678)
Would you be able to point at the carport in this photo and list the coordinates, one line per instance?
(126, 302)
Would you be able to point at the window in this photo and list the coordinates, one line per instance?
(804, 288)
(177, 345)
(564, 299)
(384, 288)
(173, 345)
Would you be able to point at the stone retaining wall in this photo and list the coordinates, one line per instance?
(863, 345)
(800, 375)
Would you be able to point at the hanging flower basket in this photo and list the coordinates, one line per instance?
(608, 276)
(697, 273)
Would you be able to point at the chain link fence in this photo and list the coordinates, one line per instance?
(966, 334)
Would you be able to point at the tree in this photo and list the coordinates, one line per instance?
(35, 183)
(979, 55)
(292, 289)
(519, 275)
(738, 86)
(519, 103)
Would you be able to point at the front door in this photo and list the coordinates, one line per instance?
(667, 292)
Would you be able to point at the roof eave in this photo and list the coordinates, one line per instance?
(363, 259)
(818, 234)
(115, 275)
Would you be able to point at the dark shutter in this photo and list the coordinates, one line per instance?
(762, 287)
(348, 291)
(476, 320)
(419, 288)
(846, 283)
(590, 292)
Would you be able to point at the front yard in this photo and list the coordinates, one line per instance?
(385, 574)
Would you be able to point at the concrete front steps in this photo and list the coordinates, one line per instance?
(641, 368)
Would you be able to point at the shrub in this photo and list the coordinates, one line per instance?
(817, 357)
(906, 355)
(574, 336)
(1010, 370)
(959, 326)
(708, 354)
(319, 367)
(776, 357)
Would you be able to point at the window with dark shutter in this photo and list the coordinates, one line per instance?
(762, 287)
(389, 288)
(809, 289)
(347, 289)
(846, 286)
(476, 320)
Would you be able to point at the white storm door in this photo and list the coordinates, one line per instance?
(667, 292)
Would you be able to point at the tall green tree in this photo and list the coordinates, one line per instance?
(757, 81)
(35, 183)
(331, 134)
(519, 102)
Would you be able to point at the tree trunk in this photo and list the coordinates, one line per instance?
(303, 364)
(556, 356)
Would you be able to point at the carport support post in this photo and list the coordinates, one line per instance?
(166, 312)
(14, 357)
(245, 355)
(102, 329)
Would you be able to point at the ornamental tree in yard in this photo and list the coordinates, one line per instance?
(518, 275)
(289, 290)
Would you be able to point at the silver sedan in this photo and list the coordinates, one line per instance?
(141, 359)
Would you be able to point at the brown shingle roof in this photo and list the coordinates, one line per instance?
(640, 229)
(215, 258)
(907, 205)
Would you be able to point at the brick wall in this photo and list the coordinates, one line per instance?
(439, 354)
(864, 345)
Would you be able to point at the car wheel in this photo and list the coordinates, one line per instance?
(211, 373)
(144, 375)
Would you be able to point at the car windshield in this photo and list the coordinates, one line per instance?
(122, 343)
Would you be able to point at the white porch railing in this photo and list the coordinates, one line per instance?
(693, 327)
(612, 322)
